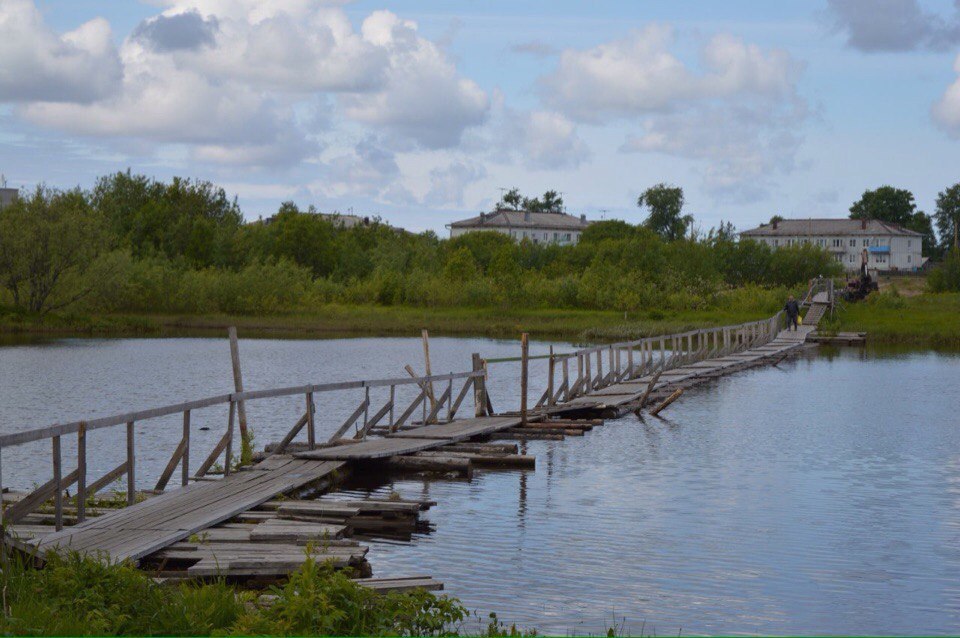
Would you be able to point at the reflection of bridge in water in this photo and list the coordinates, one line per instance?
(246, 530)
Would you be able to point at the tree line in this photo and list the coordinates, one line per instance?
(138, 245)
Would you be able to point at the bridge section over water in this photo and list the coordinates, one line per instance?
(603, 380)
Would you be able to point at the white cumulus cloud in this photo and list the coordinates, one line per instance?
(37, 64)
(737, 113)
(946, 111)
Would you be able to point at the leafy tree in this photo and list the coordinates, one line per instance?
(665, 206)
(513, 198)
(886, 204)
(776, 218)
(549, 202)
(923, 224)
(948, 216)
(45, 240)
(185, 218)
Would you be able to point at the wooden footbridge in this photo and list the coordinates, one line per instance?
(602, 381)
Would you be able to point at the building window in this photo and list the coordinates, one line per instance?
(866, 242)
(909, 243)
(908, 258)
(853, 243)
(853, 258)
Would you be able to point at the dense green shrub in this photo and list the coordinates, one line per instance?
(946, 277)
(79, 595)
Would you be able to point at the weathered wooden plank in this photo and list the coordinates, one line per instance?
(372, 449)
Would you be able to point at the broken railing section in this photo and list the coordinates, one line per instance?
(575, 374)
(362, 419)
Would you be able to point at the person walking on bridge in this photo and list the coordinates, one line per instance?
(792, 308)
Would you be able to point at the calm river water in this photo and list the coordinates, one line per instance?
(822, 496)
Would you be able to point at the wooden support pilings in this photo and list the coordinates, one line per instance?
(238, 379)
(673, 397)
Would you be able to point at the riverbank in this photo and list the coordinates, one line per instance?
(341, 320)
(924, 319)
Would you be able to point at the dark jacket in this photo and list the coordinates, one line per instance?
(792, 308)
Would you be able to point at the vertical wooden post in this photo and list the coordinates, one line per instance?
(366, 408)
(579, 375)
(311, 423)
(238, 380)
(524, 346)
(588, 374)
(426, 360)
(566, 378)
(58, 481)
(551, 366)
(599, 369)
(82, 473)
(393, 393)
(479, 402)
(450, 399)
(131, 466)
(630, 362)
(185, 461)
(663, 351)
(229, 451)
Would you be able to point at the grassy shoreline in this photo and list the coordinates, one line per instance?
(344, 321)
(921, 319)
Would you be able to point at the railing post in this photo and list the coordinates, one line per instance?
(566, 378)
(579, 391)
(185, 461)
(393, 394)
(58, 481)
(311, 424)
(131, 466)
(551, 366)
(229, 450)
(523, 377)
(238, 380)
(479, 403)
(82, 472)
(630, 362)
(588, 379)
(449, 400)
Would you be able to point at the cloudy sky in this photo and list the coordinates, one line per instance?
(421, 112)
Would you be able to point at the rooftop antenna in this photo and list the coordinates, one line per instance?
(502, 191)
(603, 213)
(3, 180)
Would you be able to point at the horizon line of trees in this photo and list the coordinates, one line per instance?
(136, 244)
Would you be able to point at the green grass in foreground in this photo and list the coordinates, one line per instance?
(76, 595)
(926, 319)
(339, 320)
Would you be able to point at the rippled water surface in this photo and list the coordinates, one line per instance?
(822, 496)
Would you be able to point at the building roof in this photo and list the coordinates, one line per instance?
(522, 219)
(818, 227)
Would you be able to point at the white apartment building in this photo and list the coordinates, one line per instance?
(888, 246)
(540, 228)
